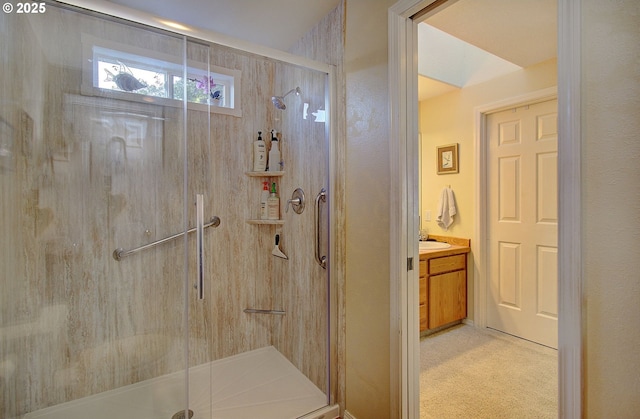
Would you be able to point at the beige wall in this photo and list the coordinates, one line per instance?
(367, 191)
(449, 118)
(611, 206)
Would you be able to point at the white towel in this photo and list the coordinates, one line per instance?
(446, 208)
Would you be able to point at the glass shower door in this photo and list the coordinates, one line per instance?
(271, 323)
(95, 207)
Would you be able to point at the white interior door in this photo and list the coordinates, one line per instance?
(522, 245)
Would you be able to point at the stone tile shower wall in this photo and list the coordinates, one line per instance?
(78, 184)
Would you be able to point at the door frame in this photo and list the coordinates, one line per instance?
(404, 212)
(480, 283)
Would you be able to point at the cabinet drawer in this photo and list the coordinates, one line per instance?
(447, 264)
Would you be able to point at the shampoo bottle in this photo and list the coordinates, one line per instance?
(273, 204)
(259, 154)
(274, 153)
(264, 214)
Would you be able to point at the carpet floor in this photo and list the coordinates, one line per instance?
(472, 373)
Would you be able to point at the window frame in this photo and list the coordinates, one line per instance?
(95, 50)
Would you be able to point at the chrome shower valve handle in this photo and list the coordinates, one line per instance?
(296, 201)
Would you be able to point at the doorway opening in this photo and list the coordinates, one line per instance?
(403, 70)
(500, 279)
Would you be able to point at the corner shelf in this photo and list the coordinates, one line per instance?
(267, 222)
(264, 174)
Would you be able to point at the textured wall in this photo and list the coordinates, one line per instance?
(367, 191)
(611, 206)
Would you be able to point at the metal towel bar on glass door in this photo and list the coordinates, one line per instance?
(120, 253)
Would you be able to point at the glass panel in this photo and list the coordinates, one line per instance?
(303, 335)
(269, 314)
(82, 175)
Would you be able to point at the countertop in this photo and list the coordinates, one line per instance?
(453, 250)
(458, 246)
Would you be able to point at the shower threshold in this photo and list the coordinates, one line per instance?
(257, 384)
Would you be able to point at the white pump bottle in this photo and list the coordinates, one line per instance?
(274, 154)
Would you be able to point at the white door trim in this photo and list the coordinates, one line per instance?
(404, 289)
(571, 327)
(403, 114)
(482, 206)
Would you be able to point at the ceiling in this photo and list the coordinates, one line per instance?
(274, 23)
(522, 32)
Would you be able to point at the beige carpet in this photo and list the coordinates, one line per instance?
(471, 373)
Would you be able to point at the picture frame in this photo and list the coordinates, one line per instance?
(447, 159)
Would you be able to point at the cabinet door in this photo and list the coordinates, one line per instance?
(423, 295)
(447, 298)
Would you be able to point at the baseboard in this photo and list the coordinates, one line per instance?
(348, 415)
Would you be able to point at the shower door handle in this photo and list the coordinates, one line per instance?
(322, 260)
(199, 247)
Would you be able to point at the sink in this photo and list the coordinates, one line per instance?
(433, 245)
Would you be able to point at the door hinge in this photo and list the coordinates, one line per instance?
(410, 264)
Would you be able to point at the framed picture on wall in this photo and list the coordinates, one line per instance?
(447, 158)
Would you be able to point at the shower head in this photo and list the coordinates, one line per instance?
(278, 101)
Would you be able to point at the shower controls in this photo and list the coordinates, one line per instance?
(296, 201)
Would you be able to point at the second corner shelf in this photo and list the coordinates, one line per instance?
(265, 174)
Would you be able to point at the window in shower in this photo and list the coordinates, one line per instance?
(129, 73)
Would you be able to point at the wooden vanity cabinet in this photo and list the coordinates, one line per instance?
(443, 289)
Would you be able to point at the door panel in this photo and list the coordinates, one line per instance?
(509, 259)
(522, 297)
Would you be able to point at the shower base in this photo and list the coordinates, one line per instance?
(257, 384)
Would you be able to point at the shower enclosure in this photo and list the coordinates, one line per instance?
(136, 277)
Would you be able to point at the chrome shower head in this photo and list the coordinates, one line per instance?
(278, 101)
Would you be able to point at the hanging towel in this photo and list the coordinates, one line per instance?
(446, 208)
